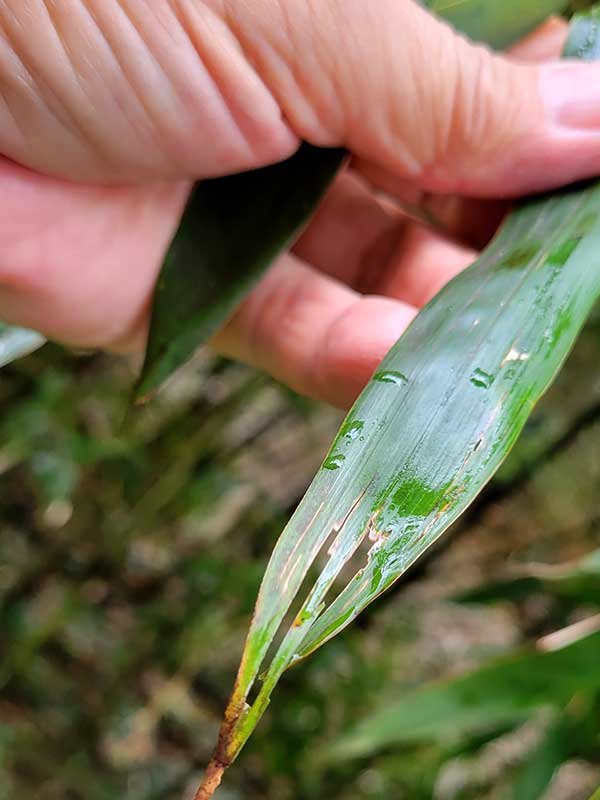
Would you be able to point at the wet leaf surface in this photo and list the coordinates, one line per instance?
(473, 365)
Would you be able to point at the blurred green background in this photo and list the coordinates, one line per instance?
(132, 548)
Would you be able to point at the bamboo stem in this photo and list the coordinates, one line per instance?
(211, 781)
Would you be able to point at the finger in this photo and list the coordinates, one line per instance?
(313, 333)
(121, 91)
(352, 236)
(472, 221)
(467, 121)
(422, 265)
(373, 250)
(544, 44)
(79, 263)
(129, 90)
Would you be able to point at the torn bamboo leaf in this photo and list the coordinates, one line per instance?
(429, 431)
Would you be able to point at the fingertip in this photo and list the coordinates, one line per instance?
(313, 333)
(563, 142)
(354, 344)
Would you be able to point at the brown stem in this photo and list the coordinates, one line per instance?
(211, 781)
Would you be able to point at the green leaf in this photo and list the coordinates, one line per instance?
(578, 581)
(17, 342)
(596, 795)
(537, 773)
(426, 435)
(498, 24)
(432, 427)
(506, 691)
(232, 230)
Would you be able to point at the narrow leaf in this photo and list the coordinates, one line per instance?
(506, 691)
(426, 435)
(17, 342)
(232, 230)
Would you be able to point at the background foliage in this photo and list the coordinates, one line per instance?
(131, 552)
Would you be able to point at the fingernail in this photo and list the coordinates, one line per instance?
(571, 95)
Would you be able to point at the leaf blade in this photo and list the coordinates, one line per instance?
(535, 776)
(232, 230)
(506, 690)
(577, 581)
(394, 416)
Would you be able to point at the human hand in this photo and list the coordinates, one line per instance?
(134, 99)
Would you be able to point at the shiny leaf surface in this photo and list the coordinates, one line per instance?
(427, 434)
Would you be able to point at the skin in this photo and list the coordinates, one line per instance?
(110, 109)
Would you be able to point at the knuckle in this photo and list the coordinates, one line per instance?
(481, 108)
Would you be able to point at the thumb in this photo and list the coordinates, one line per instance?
(402, 90)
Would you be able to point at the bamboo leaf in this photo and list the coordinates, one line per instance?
(498, 24)
(17, 342)
(431, 428)
(506, 691)
(426, 435)
(232, 230)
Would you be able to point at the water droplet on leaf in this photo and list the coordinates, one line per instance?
(482, 379)
(390, 376)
